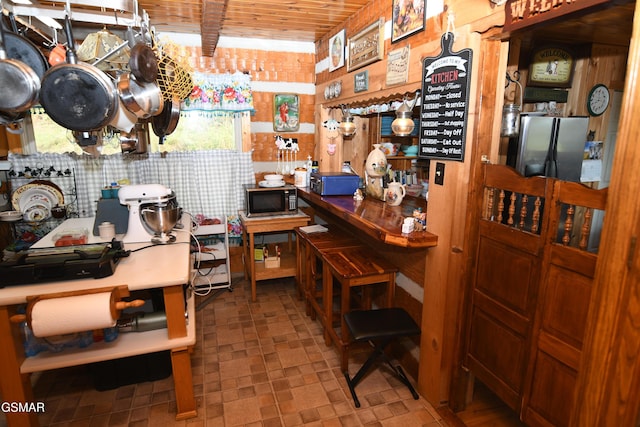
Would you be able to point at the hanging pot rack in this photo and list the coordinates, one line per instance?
(119, 13)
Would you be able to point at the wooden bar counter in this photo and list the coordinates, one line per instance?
(374, 217)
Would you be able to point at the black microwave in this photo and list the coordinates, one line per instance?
(265, 201)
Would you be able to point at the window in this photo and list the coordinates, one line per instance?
(202, 131)
(193, 132)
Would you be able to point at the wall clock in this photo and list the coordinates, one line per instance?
(551, 66)
(598, 100)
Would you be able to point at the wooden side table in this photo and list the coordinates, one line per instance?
(269, 224)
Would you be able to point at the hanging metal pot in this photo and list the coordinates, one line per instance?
(20, 48)
(19, 84)
(78, 96)
(143, 63)
(142, 99)
(165, 123)
(137, 141)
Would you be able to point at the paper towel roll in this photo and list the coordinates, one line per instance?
(59, 316)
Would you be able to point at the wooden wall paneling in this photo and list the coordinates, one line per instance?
(446, 213)
(324, 137)
(490, 102)
(356, 148)
(609, 381)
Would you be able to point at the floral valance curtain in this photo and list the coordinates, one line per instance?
(220, 93)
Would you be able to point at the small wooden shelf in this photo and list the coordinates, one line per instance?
(127, 344)
(287, 268)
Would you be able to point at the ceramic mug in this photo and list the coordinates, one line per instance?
(395, 193)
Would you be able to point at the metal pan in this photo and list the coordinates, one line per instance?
(165, 123)
(142, 99)
(143, 63)
(78, 96)
(22, 49)
(19, 84)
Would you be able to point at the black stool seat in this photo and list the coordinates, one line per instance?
(379, 327)
(366, 325)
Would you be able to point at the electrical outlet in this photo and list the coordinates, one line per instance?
(439, 178)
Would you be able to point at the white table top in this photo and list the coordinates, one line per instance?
(155, 266)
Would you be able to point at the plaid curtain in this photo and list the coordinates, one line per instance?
(205, 182)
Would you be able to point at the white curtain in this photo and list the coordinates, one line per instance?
(205, 182)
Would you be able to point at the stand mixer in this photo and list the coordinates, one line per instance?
(153, 213)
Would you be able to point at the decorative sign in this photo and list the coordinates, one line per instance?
(445, 103)
(521, 14)
(398, 66)
(361, 81)
(551, 66)
(367, 46)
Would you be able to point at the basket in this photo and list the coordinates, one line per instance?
(174, 80)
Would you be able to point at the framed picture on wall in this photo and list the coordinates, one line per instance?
(336, 51)
(408, 18)
(367, 46)
(286, 112)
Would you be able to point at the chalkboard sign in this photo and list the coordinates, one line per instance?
(445, 103)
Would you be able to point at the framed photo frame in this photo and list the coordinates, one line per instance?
(286, 112)
(408, 18)
(367, 46)
(336, 51)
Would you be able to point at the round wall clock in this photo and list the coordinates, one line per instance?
(551, 66)
(598, 100)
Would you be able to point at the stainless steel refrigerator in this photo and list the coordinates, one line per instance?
(549, 146)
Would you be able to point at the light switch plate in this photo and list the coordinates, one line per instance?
(439, 178)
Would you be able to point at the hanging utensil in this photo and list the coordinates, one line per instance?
(165, 123)
(22, 49)
(142, 99)
(78, 96)
(19, 84)
(143, 63)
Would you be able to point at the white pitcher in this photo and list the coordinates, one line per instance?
(395, 193)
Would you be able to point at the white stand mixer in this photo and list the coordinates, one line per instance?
(137, 197)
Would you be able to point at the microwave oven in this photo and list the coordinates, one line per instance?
(265, 201)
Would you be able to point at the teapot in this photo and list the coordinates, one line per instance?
(395, 193)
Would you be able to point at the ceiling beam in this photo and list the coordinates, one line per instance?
(213, 12)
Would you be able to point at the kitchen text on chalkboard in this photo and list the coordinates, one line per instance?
(445, 103)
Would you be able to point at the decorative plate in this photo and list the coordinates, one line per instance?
(10, 216)
(271, 184)
(28, 193)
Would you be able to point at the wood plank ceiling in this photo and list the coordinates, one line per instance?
(308, 20)
(299, 20)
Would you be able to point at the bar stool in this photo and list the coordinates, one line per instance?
(379, 328)
(352, 268)
(310, 250)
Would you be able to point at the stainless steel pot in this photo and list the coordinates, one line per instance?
(19, 84)
(144, 99)
(137, 141)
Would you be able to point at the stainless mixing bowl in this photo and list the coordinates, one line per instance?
(160, 219)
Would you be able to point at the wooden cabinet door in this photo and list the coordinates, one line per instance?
(565, 294)
(507, 274)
